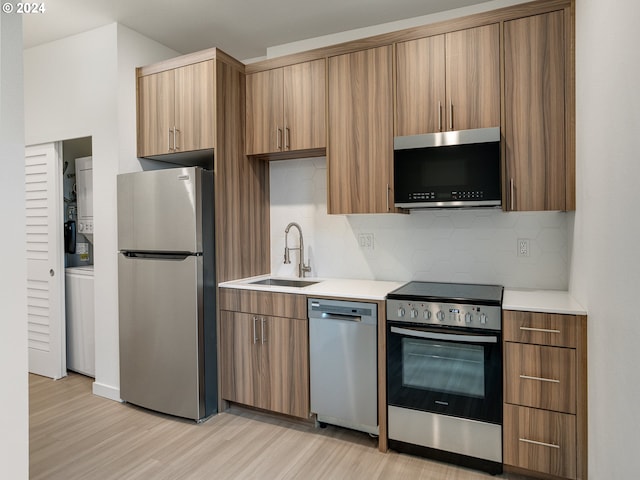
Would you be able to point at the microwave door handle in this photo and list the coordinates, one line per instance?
(445, 336)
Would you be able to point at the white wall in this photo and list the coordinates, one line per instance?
(477, 245)
(84, 85)
(14, 401)
(605, 274)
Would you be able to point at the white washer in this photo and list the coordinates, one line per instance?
(80, 315)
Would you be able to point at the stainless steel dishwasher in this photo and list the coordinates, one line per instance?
(343, 363)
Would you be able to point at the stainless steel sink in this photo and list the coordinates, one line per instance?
(284, 282)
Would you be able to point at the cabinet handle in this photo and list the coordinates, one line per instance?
(263, 341)
(511, 207)
(175, 145)
(542, 444)
(279, 138)
(439, 116)
(388, 189)
(544, 330)
(540, 379)
(169, 139)
(255, 337)
(286, 138)
(450, 114)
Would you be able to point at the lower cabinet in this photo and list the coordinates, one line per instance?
(264, 358)
(545, 394)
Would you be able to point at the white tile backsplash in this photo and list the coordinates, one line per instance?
(474, 245)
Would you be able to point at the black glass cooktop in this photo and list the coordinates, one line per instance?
(449, 292)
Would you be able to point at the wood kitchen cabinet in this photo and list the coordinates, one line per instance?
(539, 158)
(265, 357)
(286, 111)
(360, 143)
(448, 82)
(176, 110)
(545, 394)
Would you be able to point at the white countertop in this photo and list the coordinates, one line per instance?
(546, 301)
(329, 287)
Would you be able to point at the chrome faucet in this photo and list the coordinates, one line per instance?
(302, 268)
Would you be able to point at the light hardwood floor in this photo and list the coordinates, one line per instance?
(77, 435)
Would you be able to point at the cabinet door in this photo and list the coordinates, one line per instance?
(473, 78)
(535, 112)
(540, 377)
(264, 112)
(420, 91)
(360, 149)
(194, 107)
(286, 365)
(240, 359)
(156, 105)
(304, 105)
(540, 441)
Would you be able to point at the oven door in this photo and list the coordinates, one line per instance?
(446, 371)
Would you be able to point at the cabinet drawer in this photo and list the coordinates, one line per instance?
(540, 440)
(541, 377)
(288, 305)
(541, 328)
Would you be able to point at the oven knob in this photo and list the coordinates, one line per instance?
(413, 313)
(427, 314)
(440, 315)
(468, 317)
(483, 318)
(401, 312)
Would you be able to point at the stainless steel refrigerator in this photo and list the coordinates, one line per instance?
(166, 289)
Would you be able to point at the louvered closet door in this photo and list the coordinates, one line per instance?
(45, 268)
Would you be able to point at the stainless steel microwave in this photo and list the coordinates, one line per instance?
(448, 169)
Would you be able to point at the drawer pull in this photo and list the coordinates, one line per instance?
(542, 444)
(541, 379)
(544, 330)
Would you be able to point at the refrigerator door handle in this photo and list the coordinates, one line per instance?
(160, 256)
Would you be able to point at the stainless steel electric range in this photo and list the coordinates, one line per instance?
(444, 372)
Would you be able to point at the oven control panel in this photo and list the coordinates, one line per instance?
(447, 314)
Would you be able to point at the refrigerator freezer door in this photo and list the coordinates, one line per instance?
(161, 315)
(160, 210)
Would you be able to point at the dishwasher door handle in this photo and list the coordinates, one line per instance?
(340, 316)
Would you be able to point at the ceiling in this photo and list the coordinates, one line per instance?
(242, 28)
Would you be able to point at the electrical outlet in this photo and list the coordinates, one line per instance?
(523, 247)
(366, 241)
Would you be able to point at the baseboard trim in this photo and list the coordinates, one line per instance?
(106, 391)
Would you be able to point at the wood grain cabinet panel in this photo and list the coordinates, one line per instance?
(540, 441)
(360, 148)
(195, 107)
(541, 328)
(240, 375)
(156, 113)
(448, 82)
(535, 108)
(176, 110)
(540, 376)
(286, 109)
(473, 78)
(264, 358)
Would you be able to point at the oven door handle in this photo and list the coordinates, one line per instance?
(446, 336)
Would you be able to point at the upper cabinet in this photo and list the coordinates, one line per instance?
(176, 110)
(286, 110)
(448, 82)
(360, 149)
(540, 168)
